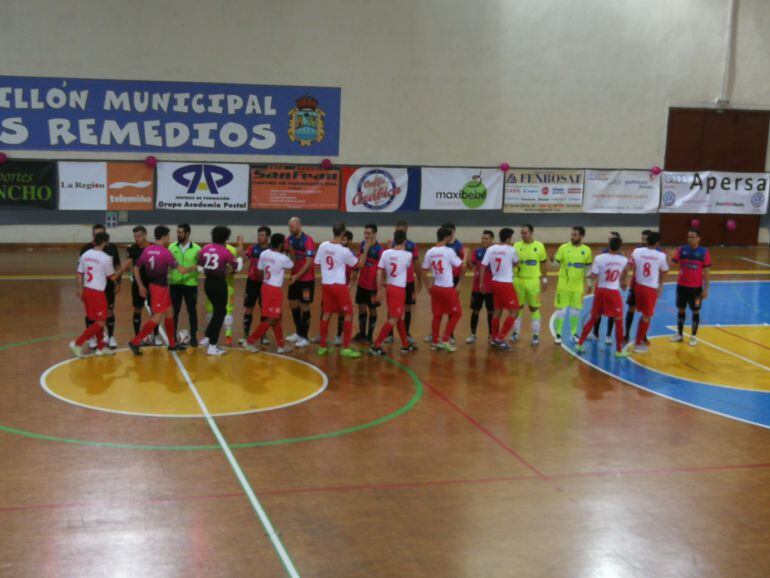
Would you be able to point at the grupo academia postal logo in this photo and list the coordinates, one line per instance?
(202, 177)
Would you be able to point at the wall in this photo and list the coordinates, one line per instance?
(443, 82)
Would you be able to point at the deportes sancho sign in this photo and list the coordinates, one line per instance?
(710, 192)
(149, 116)
(28, 184)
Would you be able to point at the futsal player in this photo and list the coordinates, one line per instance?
(155, 261)
(134, 254)
(478, 299)
(609, 273)
(185, 287)
(500, 259)
(333, 258)
(530, 276)
(301, 282)
(111, 289)
(692, 287)
(610, 322)
(631, 298)
(412, 282)
(648, 264)
(95, 269)
(441, 260)
(218, 262)
(573, 258)
(273, 263)
(392, 280)
(253, 293)
(366, 292)
(456, 245)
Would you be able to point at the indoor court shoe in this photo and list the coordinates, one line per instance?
(301, 342)
(193, 341)
(322, 351)
(470, 340)
(105, 351)
(113, 343)
(557, 339)
(641, 348)
(434, 346)
(409, 348)
(293, 338)
(176, 347)
(676, 339)
(535, 341)
(608, 340)
(580, 348)
(157, 342)
(514, 337)
(77, 351)
(214, 350)
(349, 352)
(338, 341)
(250, 347)
(693, 341)
(135, 349)
(316, 339)
(447, 346)
(622, 353)
(283, 350)
(411, 340)
(631, 348)
(575, 337)
(504, 346)
(389, 339)
(204, 342)
(229, 341)
(428, 338)
(265, 340)
(374, 350)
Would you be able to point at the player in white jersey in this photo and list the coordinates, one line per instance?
(273, 263)
(333, 258)
(609, 273)
(440, 259)
(392, 276)
(95, 268)
(500, 259)
(648, 263)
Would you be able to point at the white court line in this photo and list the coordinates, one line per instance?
(727, 351)
(255, 503)
(755, 262)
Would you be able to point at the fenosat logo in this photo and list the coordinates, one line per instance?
(202, 177)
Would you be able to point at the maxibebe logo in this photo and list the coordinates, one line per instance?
(208, 178)
(377, 190)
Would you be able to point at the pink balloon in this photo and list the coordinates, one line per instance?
(731, 225)
(504, 167)
(151, 161)
(656, 170)
(326, 164)
(3, 158)
(694, 223)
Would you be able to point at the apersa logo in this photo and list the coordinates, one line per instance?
(202, 177)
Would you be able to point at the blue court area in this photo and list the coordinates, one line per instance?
(727, 373)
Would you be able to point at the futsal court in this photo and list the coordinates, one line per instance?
(480, 463)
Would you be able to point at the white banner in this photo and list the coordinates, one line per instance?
(82, 186)
(543, 191)
(377, 189)
(461, 189)
(712, 192)
(621, 192)
(203, 186)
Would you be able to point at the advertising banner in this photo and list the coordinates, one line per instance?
(167, 117)
(621, 192)
(295, 187)
(28, 184)
(82, 186)
(380, 189)
(452, 189)
(714, 192)
(203, 186)
(543, 191)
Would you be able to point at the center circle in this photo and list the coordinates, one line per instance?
(153, 385)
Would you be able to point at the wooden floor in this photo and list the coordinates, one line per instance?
(477, 464)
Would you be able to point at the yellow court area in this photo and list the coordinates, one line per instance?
(728, 356)
(153, 384)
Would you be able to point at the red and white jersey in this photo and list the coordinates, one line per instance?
(441, 260)
(95, 266)
(273, 264)
(396, 263)
(648, 264)
(609, 269)
(501, 259)
(333, 259)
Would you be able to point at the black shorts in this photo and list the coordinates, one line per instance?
(455, 281)
(688, 297)
(253, 293)
(137, 299)
(631, 298)
(410, 294)
(479, 300)
(109, 293)
(365, 296)
(302, 291)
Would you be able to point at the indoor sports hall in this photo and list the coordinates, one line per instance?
(404, 289)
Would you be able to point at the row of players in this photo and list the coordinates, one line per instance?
(393, 272)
